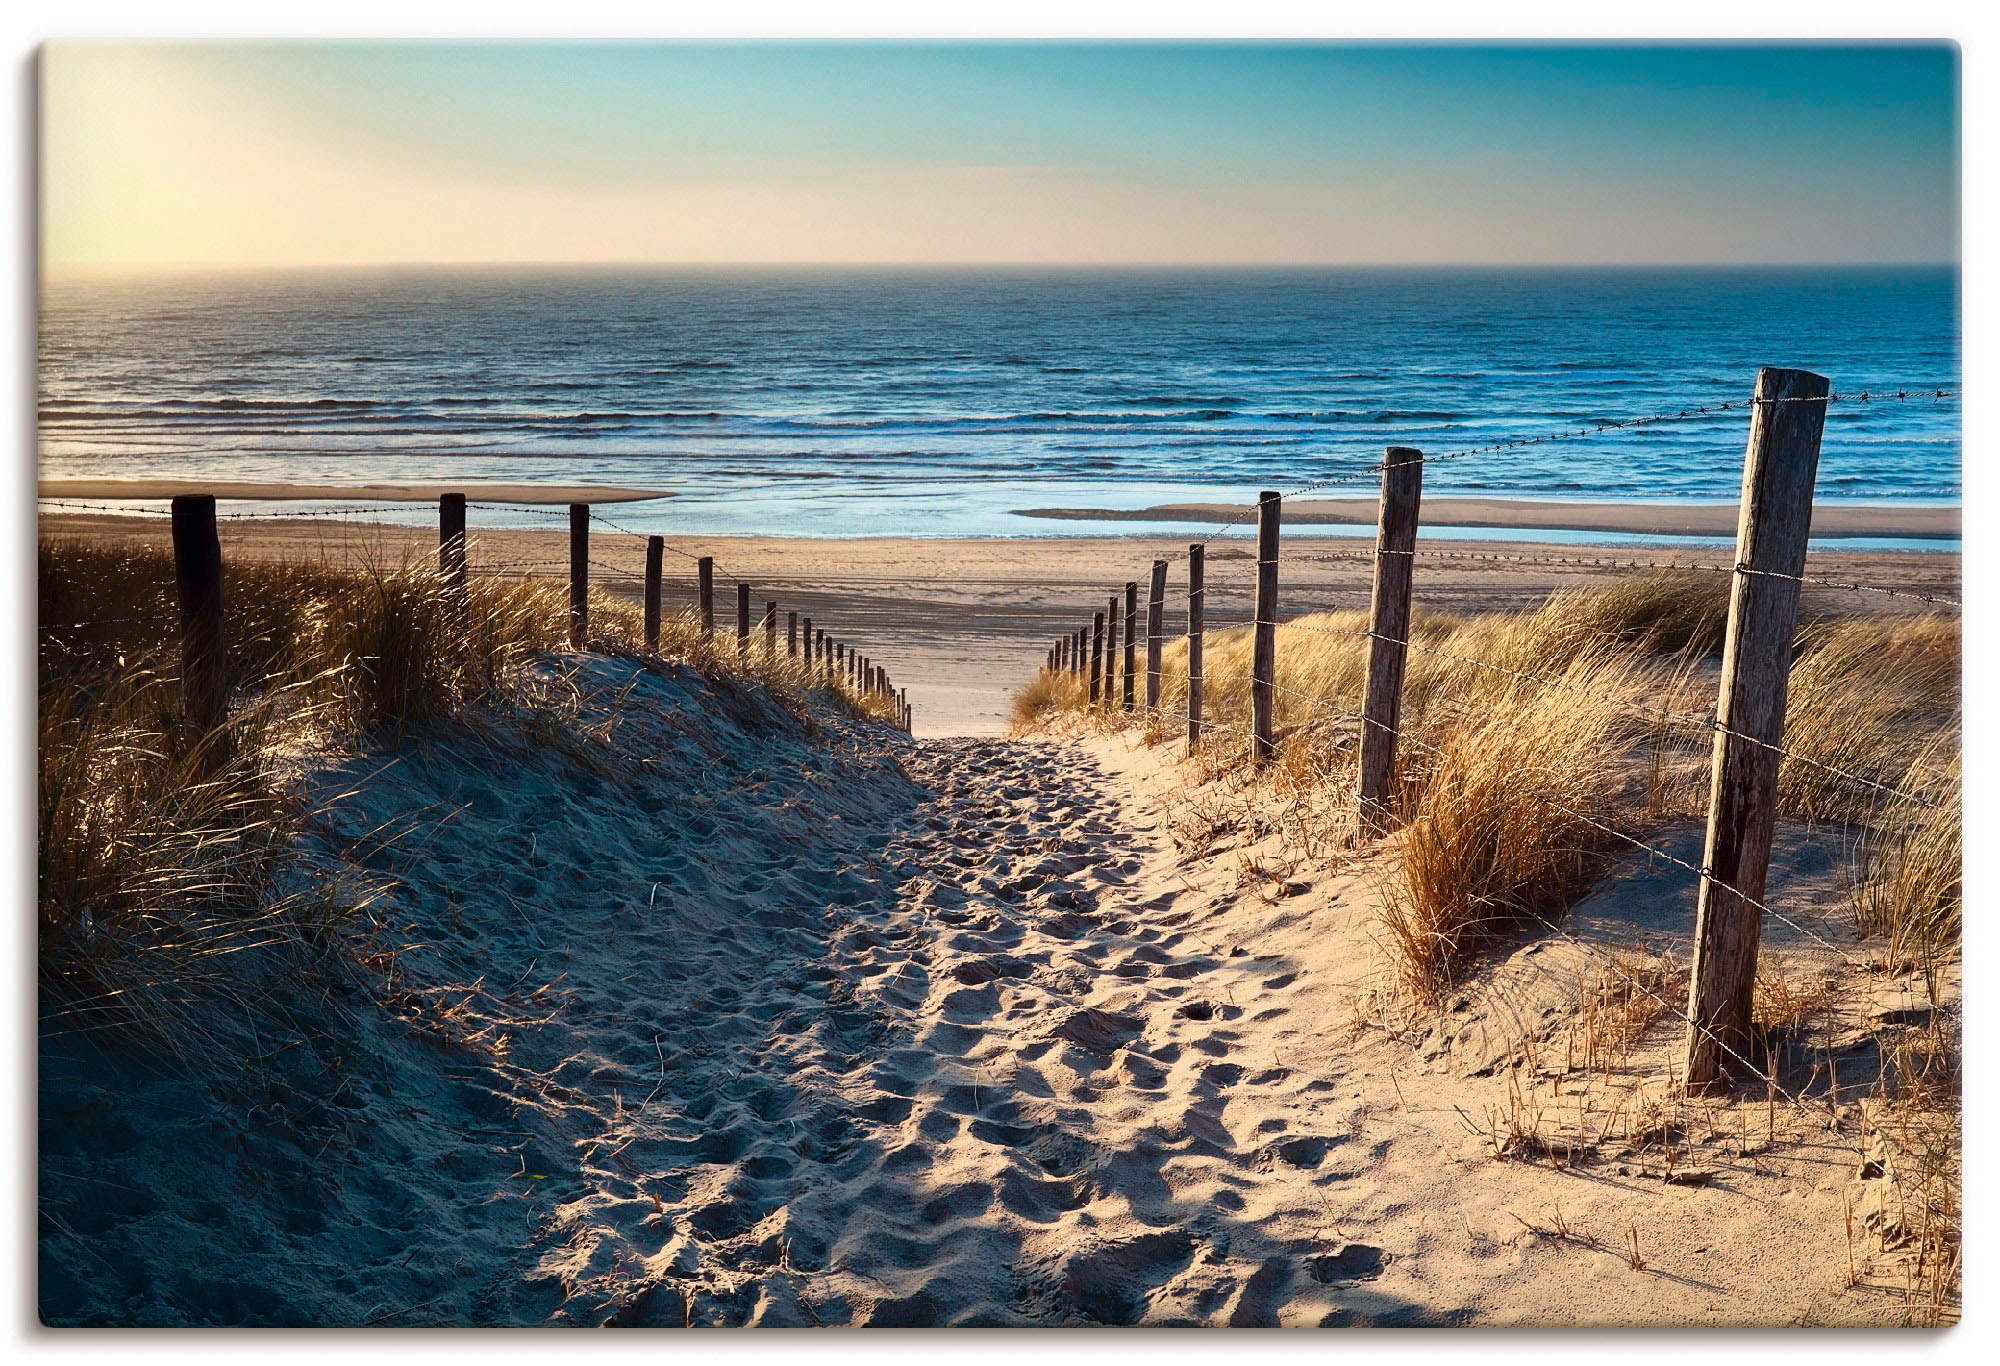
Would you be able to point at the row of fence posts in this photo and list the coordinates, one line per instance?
(1781, 463)
(198, 588)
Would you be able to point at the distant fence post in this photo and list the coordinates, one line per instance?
(1131, 642)
(1388, 632)
(1096, 653)
(451, 557)
(1787, 417)
(656, 554)
(1156, 621)
(704, 577)
(198, 586)
(791, 635)
(579, 574)
(1264, 653)
(742, 621)
(770, 632)
(1196, 589)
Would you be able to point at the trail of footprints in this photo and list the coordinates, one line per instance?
(1007, 1089)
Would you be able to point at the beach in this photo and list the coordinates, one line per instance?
(962, 623)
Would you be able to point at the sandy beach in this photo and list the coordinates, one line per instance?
(539, 494)
(1830, 520)
(962, 623)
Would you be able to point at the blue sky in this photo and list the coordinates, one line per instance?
(1139, 153)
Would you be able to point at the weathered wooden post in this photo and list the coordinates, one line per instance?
(806, 642)
(198, 587)
(1156, 623)
(704, 577)
(1780, 464)
(1131, 644)
(579, 574)
(1264, 648)
(1388, 632)
(770, 632)
(1110, 652)
(1196, 590)
(656, 554)
(742, 622)
(791, 635)
(451, 560)
(1096, 653)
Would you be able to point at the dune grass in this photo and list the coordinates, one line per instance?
(1509, 786)
(160, 848)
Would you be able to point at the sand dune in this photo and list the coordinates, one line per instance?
(692, 1010)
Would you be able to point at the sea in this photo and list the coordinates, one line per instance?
(935, 402)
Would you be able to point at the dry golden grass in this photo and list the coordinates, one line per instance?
(160, 848)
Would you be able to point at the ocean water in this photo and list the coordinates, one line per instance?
(871, 402)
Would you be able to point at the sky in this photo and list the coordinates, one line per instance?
(252, 156)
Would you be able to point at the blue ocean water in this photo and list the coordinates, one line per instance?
(875, 402)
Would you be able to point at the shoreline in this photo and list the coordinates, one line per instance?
(370, 493)
(1831, 520)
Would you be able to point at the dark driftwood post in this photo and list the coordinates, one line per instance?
(742, 621)
(704, 577)
(198, 586)
(451, 557)
(1156, 623)
(1131, 643)
(1096, 654)
(579, 574)
(770, 631)
(1388, 632)
(1264, 650)
(1775, 516)
(806, 641)
(791, 635)
(1196, 591)
(656, 554)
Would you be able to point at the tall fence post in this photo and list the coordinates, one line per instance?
(1264, 651)
(1110, 652)
(704, 577)
(1388, 632)
(579, 574)
(198, 586)
(1156, 621)
(770, 632)
(1131, 643)
(451, 557)
(1197, 554)
(1780, 464)
(656, 554)
(742, 621)
(791, 635)
(1096, 654)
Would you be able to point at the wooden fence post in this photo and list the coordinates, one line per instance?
(1131, 644)
(1264, 650)
(806, 642)
(742, 621)
(1111, 652)
(791, 635)
(1096, 653)
(1780, 464)
(579, 574)
(656, 554)
(1388, 632)
(451, 559)
(770, 632)
(1196, 589)
(198, 586)
(704, 576)
(1156, 622)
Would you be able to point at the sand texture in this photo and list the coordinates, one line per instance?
(354, 493)
(684, 1009)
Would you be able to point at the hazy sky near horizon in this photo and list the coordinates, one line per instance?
(260, 155)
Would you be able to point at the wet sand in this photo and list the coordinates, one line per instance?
(962, 623)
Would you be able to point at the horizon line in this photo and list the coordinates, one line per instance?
(45, 269)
